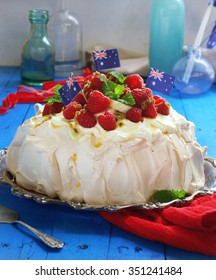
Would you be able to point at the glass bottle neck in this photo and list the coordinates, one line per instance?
(63, 5)
(38, 20)
(38, 29)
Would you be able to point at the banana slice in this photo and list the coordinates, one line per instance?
(118, 106)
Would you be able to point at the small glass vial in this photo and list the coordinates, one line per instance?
(38, 53)
(66, 34)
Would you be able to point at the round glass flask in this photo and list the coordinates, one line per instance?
(194, 74)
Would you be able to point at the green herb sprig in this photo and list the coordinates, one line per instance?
(56, 98)
(115, 90)
(168, 195)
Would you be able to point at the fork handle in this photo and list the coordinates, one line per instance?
(47, 239)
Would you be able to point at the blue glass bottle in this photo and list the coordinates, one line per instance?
(166, 34)
(38, 54)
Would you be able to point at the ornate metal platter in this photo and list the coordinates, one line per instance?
(7, 179)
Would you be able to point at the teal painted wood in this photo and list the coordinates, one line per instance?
(86, 234)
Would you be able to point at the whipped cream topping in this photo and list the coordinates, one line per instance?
(60, 158)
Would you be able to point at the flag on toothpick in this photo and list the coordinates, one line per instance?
(69, 90)
(106, 59)
(212, 38)
(160, 81)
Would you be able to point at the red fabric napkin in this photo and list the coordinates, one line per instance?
(190, 227)
(26, 94)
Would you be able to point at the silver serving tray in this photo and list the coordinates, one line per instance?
(6, 178)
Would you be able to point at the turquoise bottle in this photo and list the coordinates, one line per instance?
(166, 35)
(38, 54)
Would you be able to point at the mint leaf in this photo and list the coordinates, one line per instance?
(121, 78)
(111, 94)
(108, 86)
(56, 89)
(119, 90)
(168, 195)
(127, 99)
(115, 91)
(56, 98)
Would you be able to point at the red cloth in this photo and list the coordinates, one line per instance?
(26, 94)
(190, 227)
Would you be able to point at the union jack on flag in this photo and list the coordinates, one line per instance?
(69, 90)
(160, 81)
(156, 74)
(106, 59)
(100, 54)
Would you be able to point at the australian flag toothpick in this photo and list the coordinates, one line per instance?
(69, 90)
(106, 59)
(160, 81)
(212, 38)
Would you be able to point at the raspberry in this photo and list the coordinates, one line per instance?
(134, 114)
(86, 119)
(97, 102)
(158, 99)
(148, 92)
(71, 109)
(140, 96)
(87, 72)
(46, 109)
(56, 107)
(134, 81)
(80, 99)
(96, 82)
(161, 105)
(107, 121)
(163, 108)
(149, 111)
(53, 108)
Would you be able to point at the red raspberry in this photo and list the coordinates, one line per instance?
(148, 92)
(87, 72)
(163, 108)
(46, 110)
(71, 109)
(80, 99)
(161, 105)
(97, 102)
(57, 107)
(149, 111)
(86, 119)
(54, 108)
(134, 114)
(140, 96)
(93, 81)
(96, 82)
(134, 81)
(158, 99)
(107, 121)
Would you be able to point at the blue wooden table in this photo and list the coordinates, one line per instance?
(87, 236)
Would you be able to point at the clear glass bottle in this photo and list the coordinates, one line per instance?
(38, 53)
(166, 36)
(66, 33)
(201, 76)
